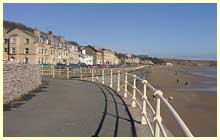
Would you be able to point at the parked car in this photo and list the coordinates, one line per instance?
(73, 66)
(60, 66)
(103, 66)
(83, 65)
(89, 66)
(94, 65)
(46, 66)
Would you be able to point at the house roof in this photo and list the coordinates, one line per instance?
(24, 31)
(92, 47)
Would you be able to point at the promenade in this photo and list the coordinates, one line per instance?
(72, 108)
(99, 102)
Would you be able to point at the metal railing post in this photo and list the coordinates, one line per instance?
(144, 111)
(92, 75)
(103, 76)
(133, 104)
(111, 82)
(67, 73)
(118, 89)
(80, 74)
(73, 71)
(126, 85)
(60, 70)
(157, 114)
(42, 69)
(53, 71)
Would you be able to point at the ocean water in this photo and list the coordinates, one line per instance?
(210, 72)
(206, 86)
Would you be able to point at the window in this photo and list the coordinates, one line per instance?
(39, 60)
(39, 50)
(5, 41)
(40, 40)
(26, 50)
(42, 51)
(12, 58)
(46, 41)
(25, 60)
(12, 40)
(12, 50)
(45, 51)
(60, 44)
(5, 49)
(26, 41)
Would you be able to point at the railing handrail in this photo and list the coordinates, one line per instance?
(119, 72)
(181, 123)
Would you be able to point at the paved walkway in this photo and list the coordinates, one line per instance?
(71, 108)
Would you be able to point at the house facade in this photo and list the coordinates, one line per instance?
(21, 46)
(84, 58)
(107, 56)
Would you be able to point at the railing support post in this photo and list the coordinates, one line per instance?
(126, 85)
(118, 89)
(103, 76)
(42, 69)
(74, 72)
(60, 70)
(67, 73)
(157, 115)
(92, 75)
(144, 111)
(80, 74)
(53, 71)
(133, 104)
(111, 82)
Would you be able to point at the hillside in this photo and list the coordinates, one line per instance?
(8, 25)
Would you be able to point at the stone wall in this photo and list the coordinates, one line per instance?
(19, 79)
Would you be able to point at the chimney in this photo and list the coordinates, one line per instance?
(50, 35)
(36, 33)
(62, 39)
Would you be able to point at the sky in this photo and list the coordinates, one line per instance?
(182, 31)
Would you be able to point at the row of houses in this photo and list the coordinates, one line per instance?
(37, 47)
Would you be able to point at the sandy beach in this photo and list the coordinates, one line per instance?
(197, 108)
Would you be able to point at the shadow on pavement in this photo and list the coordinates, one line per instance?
(114, 93)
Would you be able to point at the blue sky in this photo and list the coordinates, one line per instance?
(184, 31)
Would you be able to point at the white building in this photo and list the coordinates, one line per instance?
(86, 59)
(169, 64)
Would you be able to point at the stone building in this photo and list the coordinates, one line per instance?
(116, 60)
(107, 56)
(136, 60)
(95, 53)
(20, 46)
(99, 57)
(37, 47)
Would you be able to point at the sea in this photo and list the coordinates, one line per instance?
(209, 86)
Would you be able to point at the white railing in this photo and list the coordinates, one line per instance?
(125, 81)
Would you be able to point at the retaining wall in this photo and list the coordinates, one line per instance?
(19, 79)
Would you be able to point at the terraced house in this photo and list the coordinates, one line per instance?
(95, 53)
(36, 47)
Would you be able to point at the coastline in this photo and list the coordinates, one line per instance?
(197, 108)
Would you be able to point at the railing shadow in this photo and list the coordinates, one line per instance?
(131, 120)
(104, 113)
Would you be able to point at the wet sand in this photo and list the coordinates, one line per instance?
(198, 109)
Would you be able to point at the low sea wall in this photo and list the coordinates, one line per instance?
(19, 79)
